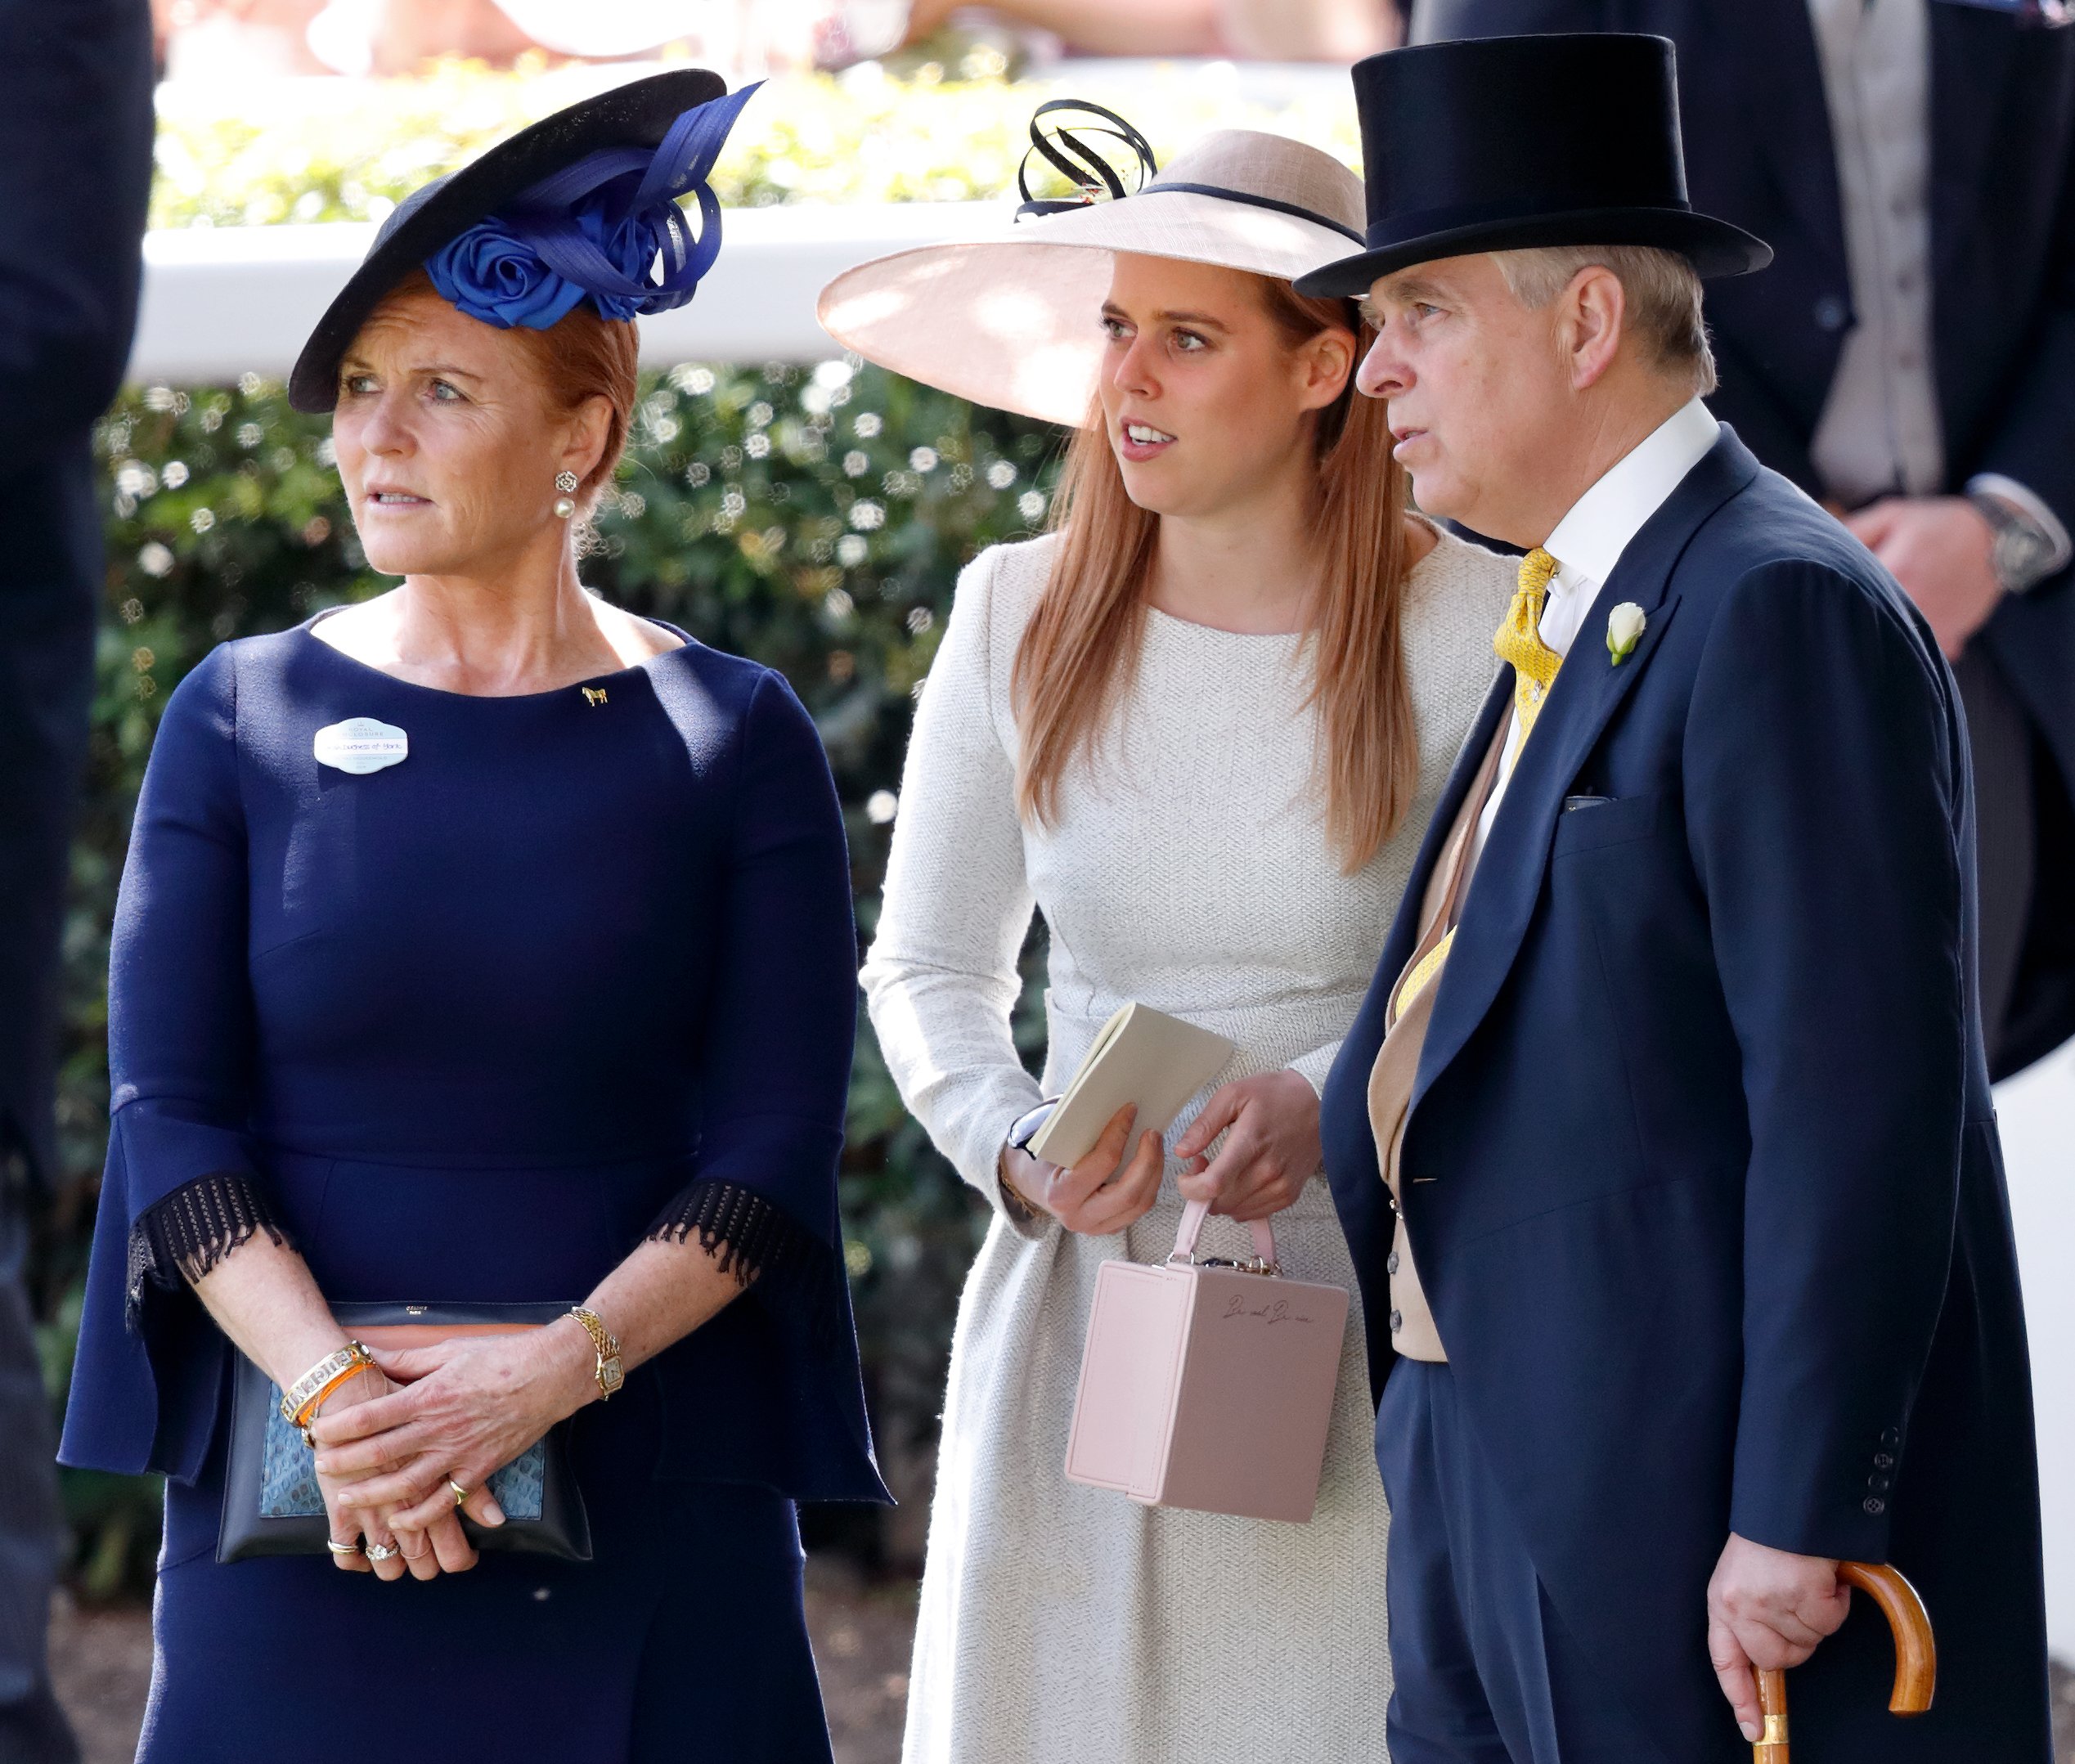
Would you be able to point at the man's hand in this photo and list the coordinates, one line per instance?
(1939, 549)
(1767, 1608)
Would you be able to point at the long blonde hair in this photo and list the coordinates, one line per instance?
(1080, 652)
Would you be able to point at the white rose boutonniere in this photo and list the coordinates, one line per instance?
(1625, 626)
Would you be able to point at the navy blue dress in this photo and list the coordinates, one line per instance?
(579, 969)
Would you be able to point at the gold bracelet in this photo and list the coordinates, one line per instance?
(301, 1400)
(1021, 1207)
(608, 1372)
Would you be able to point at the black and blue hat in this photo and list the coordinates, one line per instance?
(582, 205)
(1506, 143)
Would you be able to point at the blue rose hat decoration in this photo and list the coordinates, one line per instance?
(583, 205)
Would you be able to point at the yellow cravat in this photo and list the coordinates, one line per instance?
(1519, 641)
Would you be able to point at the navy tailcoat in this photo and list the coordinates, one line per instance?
(1701, 1171)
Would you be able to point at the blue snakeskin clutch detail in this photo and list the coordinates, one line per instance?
(272, 1505)
(288, 1480)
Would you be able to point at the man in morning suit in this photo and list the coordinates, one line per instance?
(1911, 358)
(1662, 1140)
(75, 134)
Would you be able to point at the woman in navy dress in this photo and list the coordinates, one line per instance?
(484, 942)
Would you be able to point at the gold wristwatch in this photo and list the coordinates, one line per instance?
(610, 1377)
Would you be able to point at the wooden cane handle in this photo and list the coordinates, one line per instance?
(1916, 1657)
(1916, 1653)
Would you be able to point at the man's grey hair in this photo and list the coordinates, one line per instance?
(1661, 291)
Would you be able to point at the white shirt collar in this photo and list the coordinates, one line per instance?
(1589, 541)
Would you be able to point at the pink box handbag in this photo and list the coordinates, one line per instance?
(1208, 1384)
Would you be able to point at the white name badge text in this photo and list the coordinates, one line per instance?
(361, 744)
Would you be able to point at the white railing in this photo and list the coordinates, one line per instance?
(219, 301)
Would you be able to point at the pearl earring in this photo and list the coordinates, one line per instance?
(565, 505)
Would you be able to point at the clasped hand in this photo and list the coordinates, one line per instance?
(451, 1413)
(1271, 1149)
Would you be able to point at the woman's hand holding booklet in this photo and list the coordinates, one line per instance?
(1098, 1195)
(1143, 1066)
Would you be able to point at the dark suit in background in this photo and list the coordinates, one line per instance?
(2001, 201)
(75, 134)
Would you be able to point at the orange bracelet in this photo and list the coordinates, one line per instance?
(349, 1361)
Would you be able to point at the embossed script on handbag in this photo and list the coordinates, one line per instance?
(1207, 1383)
(272, 1506)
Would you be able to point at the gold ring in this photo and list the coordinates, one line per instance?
(382, 1552)
(460, 1494)
(337, 1548)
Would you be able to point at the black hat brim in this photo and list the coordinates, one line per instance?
(1714, 248)
(637, 114)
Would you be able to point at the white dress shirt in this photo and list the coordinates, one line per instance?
(1588, 542)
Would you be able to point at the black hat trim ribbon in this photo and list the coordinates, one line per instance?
(1251, 200)
(1075, 159)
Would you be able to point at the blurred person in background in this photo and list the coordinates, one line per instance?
(1255, 30)
(75, 133)
(1910, 360)
(400, 37)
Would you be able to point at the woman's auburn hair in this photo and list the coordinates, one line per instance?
(583, 355)
(1079, 655)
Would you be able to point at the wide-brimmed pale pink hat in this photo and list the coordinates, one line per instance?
(1016, 322)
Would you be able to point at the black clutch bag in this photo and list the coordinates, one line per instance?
(272, 1506)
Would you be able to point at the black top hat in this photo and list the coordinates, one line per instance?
(636, 115)
(1510, 142)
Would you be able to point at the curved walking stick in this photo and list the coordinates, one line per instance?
(1916, 1657)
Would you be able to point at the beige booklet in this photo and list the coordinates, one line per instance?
(1143, 1056)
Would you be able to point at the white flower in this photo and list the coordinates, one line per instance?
(1625, 626)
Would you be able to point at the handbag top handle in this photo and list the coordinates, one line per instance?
(1193, 1215)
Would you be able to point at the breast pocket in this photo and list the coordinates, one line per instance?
(1591, 823)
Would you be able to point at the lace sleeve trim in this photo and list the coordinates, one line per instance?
(761, 1244)
(748, 1236)
(188, 1233)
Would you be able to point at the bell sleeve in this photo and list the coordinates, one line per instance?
(779, 1026)
(179, 1189)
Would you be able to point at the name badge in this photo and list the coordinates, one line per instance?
(361, 744)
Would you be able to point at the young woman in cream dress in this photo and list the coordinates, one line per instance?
(1200, 726)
